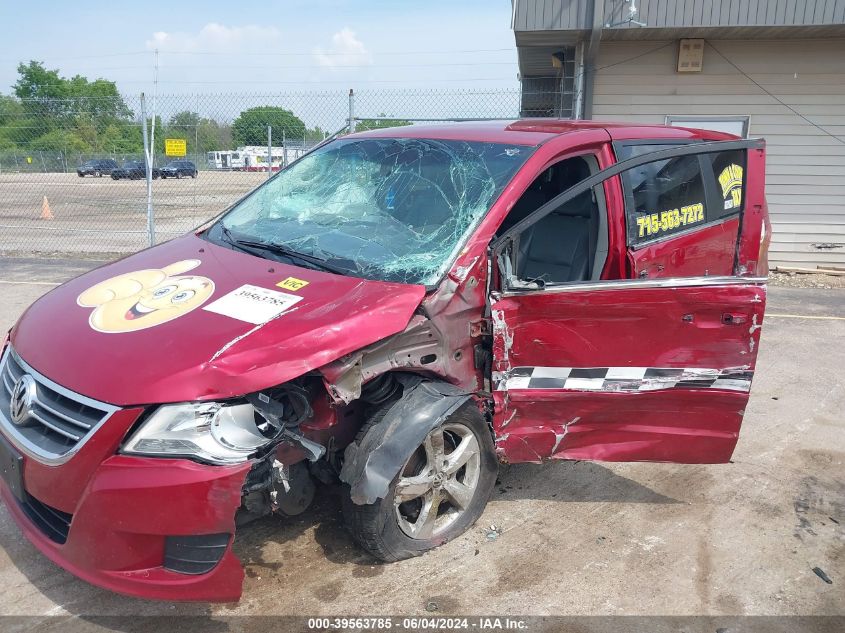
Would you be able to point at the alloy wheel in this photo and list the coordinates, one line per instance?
(438, 482)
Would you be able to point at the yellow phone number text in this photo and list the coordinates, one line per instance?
(668, 220)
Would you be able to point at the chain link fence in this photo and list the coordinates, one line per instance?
(72, 172)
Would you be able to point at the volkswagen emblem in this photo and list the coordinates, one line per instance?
(23, 393)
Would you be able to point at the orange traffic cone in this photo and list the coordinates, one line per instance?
(46, 213)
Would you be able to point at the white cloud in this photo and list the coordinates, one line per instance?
(346, 50)
(214, 37)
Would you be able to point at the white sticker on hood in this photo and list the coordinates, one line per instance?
(253, 304)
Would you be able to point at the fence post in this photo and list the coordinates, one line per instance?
(148, 163)
(269, 152)
(351, 110)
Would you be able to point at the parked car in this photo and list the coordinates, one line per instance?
(396, 312)
(97, 167)
(179, 168)
(133, 170)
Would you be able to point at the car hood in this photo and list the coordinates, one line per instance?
(190, 320)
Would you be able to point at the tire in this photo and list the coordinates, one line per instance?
(392, 532)
(80, 175)
(178, 175)
(194, 175)
(97, 174)
(115, 177)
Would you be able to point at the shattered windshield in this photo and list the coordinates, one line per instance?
(392, 209)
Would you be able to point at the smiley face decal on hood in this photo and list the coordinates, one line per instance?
(145, 298)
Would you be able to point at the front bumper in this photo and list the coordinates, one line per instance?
(117, 534)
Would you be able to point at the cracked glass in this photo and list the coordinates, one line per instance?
(391, 209)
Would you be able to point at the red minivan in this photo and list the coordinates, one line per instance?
(396, 312)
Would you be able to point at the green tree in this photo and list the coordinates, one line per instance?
(315, 134)
(185, 122)
(121, 139)
(65, 141)
(13, 123)
(10, 110)
(51, 102)
(201, 134)
(382, 121)
(250, 128)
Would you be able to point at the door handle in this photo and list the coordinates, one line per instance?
(734, 318)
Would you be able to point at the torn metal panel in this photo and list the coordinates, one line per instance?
(651, 373)
(420, 347)
(502, 341)
(369, 467)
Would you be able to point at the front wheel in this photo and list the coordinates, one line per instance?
(439, 492)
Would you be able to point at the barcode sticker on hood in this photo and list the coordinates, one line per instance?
(253, 304)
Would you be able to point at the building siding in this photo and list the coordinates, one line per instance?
(548, 15)
(805, 179)
(551, 15)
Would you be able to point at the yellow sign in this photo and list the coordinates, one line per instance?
(175, 147)
(292, 283)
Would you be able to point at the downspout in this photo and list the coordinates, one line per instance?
(578, 106)
(590, 58)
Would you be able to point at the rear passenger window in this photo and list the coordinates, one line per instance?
(663, 198)
(670, 196)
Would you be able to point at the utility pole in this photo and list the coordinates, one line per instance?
(155, 99)
(269, 152)
(150, 221)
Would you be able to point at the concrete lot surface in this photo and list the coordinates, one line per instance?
(85, 209)
(569, 538)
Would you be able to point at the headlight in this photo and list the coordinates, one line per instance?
(212, 432)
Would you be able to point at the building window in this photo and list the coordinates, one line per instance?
(737, 125)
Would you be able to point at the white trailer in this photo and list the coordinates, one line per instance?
(254, 157)
(226, 160)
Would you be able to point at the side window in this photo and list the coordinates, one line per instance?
(666, 197)
(570, 243)
(728, 171)
(663, 198)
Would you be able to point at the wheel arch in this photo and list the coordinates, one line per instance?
(371, 465)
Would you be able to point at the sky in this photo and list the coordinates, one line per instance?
(265, 46)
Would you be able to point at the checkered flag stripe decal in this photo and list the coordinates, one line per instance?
(625, 378)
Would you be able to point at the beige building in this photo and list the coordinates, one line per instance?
(774, 69)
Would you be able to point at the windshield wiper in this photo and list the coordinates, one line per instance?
(247, 245)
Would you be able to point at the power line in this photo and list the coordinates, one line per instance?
(270, 54)
(330, 53)
(315, 83)
(63, 57)
(310, 66)
(776, 98)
